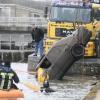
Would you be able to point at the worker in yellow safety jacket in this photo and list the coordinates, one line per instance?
(43, 78)
(42, 75)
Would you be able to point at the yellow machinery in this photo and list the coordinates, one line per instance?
(64, 19)
(93, 48)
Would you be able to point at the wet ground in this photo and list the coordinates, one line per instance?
(71, 88)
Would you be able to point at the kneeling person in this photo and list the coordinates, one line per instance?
(8, 77)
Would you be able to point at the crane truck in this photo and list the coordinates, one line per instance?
(65, 18)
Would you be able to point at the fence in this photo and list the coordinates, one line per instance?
(19, 46)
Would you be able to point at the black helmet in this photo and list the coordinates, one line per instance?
(7, 64)
(7, 60)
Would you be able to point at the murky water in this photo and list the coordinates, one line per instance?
(71, 88)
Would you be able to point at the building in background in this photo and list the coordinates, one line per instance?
(16, 19)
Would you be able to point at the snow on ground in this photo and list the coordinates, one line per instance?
(73, 88)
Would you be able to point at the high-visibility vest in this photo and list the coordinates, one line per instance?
(6, 80)
(42, 78)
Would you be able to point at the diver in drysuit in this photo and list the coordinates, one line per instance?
(43, 78)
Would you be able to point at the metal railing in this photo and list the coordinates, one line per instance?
(23, 21)
(18, 50)
(15, 42)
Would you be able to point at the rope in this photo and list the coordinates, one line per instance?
(31, 86)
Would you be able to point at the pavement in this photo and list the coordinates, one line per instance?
(94, 93)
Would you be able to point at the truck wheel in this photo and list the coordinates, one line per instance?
(77, 51)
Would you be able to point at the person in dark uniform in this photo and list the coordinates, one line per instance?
(8, 77)
(38, 36)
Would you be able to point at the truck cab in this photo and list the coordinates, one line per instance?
(64, 19)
